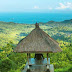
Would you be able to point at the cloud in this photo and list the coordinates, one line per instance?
(50, 8)
(68, 5)
(36, 7)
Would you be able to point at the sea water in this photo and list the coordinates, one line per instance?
(31, 18)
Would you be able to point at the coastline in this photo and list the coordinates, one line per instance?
(49, 22)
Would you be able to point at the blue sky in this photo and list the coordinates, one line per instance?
(51, 6)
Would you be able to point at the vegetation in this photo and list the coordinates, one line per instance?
(12, 33)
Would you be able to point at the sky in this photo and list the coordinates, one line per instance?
(50, 6)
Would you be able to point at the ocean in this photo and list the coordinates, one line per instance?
(31, 18)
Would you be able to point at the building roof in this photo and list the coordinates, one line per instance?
(38, 42)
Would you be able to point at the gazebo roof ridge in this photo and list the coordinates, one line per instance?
(36, 25)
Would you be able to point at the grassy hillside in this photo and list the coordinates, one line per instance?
(12, 33)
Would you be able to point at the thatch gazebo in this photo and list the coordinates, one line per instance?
(37, 42)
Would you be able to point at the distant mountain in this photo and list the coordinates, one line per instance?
(49, 22)
(65, 21)
(7, 22)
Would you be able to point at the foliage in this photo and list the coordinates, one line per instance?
(6, 65)
(12, 33)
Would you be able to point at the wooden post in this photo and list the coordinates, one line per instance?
(29, 55)
(28, 58)
(48, 66)
(47, 58)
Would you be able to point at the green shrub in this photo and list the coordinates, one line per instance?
(18, 58)
(65, 69)
(6, 65)
(22, 67)
(14, 70)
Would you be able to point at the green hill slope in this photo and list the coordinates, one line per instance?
(11, 33)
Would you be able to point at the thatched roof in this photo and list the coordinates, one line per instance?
(37, 42)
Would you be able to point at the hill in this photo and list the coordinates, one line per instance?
(11, 33)
(62, 22)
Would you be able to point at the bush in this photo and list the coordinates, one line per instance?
(18, 58)
(6, 65)
(14, 70)
(22, 67)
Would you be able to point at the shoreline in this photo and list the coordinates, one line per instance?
(49, 22)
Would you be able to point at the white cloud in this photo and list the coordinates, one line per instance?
(50, 8)
(68, 5)
(36, 7)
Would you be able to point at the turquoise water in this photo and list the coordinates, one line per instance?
(30, 18)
